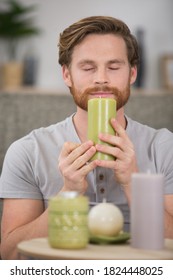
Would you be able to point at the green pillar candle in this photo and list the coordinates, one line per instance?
(100, 111)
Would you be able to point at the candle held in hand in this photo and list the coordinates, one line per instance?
(100, 111)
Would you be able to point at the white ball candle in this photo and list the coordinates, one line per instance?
(105, 219)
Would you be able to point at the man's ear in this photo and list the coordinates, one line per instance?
(133, 74)
(66, 75)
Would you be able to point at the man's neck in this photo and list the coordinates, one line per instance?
(80, 120)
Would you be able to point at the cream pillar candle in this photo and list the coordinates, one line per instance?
(147, 211)
(100, 111)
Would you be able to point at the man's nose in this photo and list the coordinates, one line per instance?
(101, 77)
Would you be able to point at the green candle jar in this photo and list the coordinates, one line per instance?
(100, 111)
(68, 221)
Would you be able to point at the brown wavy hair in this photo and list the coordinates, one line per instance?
(76, 32)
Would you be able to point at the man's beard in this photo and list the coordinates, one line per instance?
(81, 98)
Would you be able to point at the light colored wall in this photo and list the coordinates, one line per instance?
(155, 16)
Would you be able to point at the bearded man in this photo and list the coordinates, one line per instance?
(99, 58)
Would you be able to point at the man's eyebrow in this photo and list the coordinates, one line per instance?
(111, 61)
(85, 61)
(116, 61)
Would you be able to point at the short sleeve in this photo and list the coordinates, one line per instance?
(17, 178)
(164, 158)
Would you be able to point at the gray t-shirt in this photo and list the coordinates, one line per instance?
(30, 167)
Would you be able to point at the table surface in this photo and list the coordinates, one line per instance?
(40, 249)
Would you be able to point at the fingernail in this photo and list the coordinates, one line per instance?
(113, 120)
(90, 142)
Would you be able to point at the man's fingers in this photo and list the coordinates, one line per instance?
(68, 148)
(84, 158)
(73, 156)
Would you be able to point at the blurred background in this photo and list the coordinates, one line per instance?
(150, 20)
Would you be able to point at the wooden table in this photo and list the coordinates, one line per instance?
(40, 249)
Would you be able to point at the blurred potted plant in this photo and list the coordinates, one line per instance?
(15, 24)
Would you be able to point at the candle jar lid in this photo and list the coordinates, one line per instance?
(68, 195)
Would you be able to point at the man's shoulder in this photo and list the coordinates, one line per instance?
(51, 129)
(42, 136)
(137, 129)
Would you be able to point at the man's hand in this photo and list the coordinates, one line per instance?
(74, 165)
(123, 151)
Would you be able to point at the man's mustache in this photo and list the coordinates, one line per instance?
(107, 89)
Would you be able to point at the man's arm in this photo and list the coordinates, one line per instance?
(25, 218)
(22, 219)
